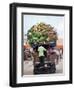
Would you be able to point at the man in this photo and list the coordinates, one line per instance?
(41, 50)
(57, 54)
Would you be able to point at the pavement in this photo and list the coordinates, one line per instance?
(28, 67)
(59, 67)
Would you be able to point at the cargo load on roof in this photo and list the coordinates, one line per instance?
(42, 34)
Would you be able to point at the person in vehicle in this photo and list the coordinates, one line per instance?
(41, 50)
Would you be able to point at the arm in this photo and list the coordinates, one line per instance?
(44, 49)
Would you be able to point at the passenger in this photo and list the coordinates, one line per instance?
(41, 50)
(57, 54)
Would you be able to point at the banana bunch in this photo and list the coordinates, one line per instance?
(41, 33)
